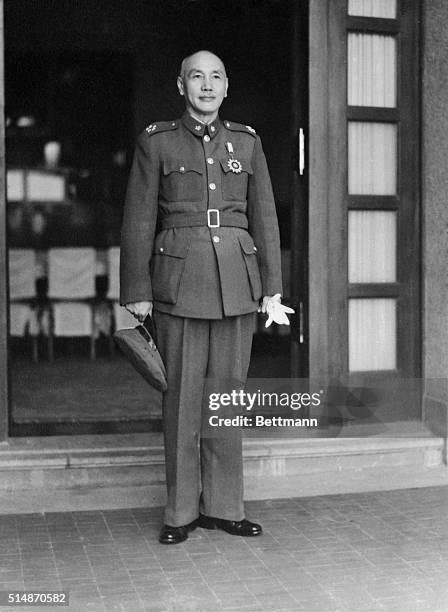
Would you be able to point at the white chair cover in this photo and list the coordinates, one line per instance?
(123, 318)
(71, 273)
(22, 274)
(113, 266)
(22, 318)
(71, 278)
(72, 319)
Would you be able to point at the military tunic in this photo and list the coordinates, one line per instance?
(201, 272)
(205, 273)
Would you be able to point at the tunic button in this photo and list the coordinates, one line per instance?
(212, 186)
(215, 238)
(182, 169)
(161, 249)
(210, 160)
(255, 248)
(206, 138)
(212, 128)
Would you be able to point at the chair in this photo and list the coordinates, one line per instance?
(71, 293)
(23, 317)
(121, 318)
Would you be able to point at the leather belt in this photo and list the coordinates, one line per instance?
(211, 218)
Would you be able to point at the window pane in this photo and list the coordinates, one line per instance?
(372, 70)
(372, 158)
(373, 8)
(372, 243)
(372, 334)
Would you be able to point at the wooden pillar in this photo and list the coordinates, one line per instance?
(318, 255)
(435, 210)
(3, 253)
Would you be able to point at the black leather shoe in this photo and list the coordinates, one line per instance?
(242, 528)
(176, 535)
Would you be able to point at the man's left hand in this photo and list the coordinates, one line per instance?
(269, 299)
(275, 310)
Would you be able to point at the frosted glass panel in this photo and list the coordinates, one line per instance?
(386, 9)
(372, 343)
(372, 70)
(372, 244)
(372, 158)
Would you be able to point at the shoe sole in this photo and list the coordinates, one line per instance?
(168, 543)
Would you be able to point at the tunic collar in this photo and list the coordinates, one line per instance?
(198, 128)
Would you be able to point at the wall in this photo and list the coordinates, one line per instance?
(435, 210)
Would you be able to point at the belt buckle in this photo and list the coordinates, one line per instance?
(209, 222)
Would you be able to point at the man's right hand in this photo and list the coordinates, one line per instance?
(140, 310)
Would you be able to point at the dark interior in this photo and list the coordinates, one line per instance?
(92, 75)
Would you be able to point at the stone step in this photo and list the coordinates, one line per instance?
(93, 472)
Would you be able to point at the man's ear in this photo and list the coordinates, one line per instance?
(227, 87)
(180, 85)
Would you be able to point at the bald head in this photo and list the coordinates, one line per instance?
(198, 58)
(203, 82)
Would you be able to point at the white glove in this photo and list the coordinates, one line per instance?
(277, 312)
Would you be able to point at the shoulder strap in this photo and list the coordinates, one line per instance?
(161, 126)
(239, 127)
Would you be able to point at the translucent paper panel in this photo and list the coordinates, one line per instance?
(372, 342)
(386, 9)
(372, 244)
(372, 158)
(372, 70)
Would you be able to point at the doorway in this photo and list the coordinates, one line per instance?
(264, 45)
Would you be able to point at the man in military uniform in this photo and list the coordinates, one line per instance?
(216, 259)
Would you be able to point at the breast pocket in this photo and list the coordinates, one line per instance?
(167, 268)
(234, 179)
(182, 181)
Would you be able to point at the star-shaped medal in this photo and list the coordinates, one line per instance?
(234, 165)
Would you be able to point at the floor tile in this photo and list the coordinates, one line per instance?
(369, 552)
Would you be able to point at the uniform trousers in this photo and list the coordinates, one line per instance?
(203, 473)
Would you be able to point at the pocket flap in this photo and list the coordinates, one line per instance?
(173, 249)
(182, 166)
(244, 163)
(247, 244)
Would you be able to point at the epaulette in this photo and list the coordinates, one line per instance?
(161, 126)
(239, 127)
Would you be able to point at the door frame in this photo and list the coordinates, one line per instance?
(299, 338)
(327, 296)
(319, 330)
(4, 315)
(329, 202)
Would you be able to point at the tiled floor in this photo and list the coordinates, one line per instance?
(349, 553)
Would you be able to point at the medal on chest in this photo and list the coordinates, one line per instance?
(233, 164)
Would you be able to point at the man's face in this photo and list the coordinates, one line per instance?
(204, 85)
